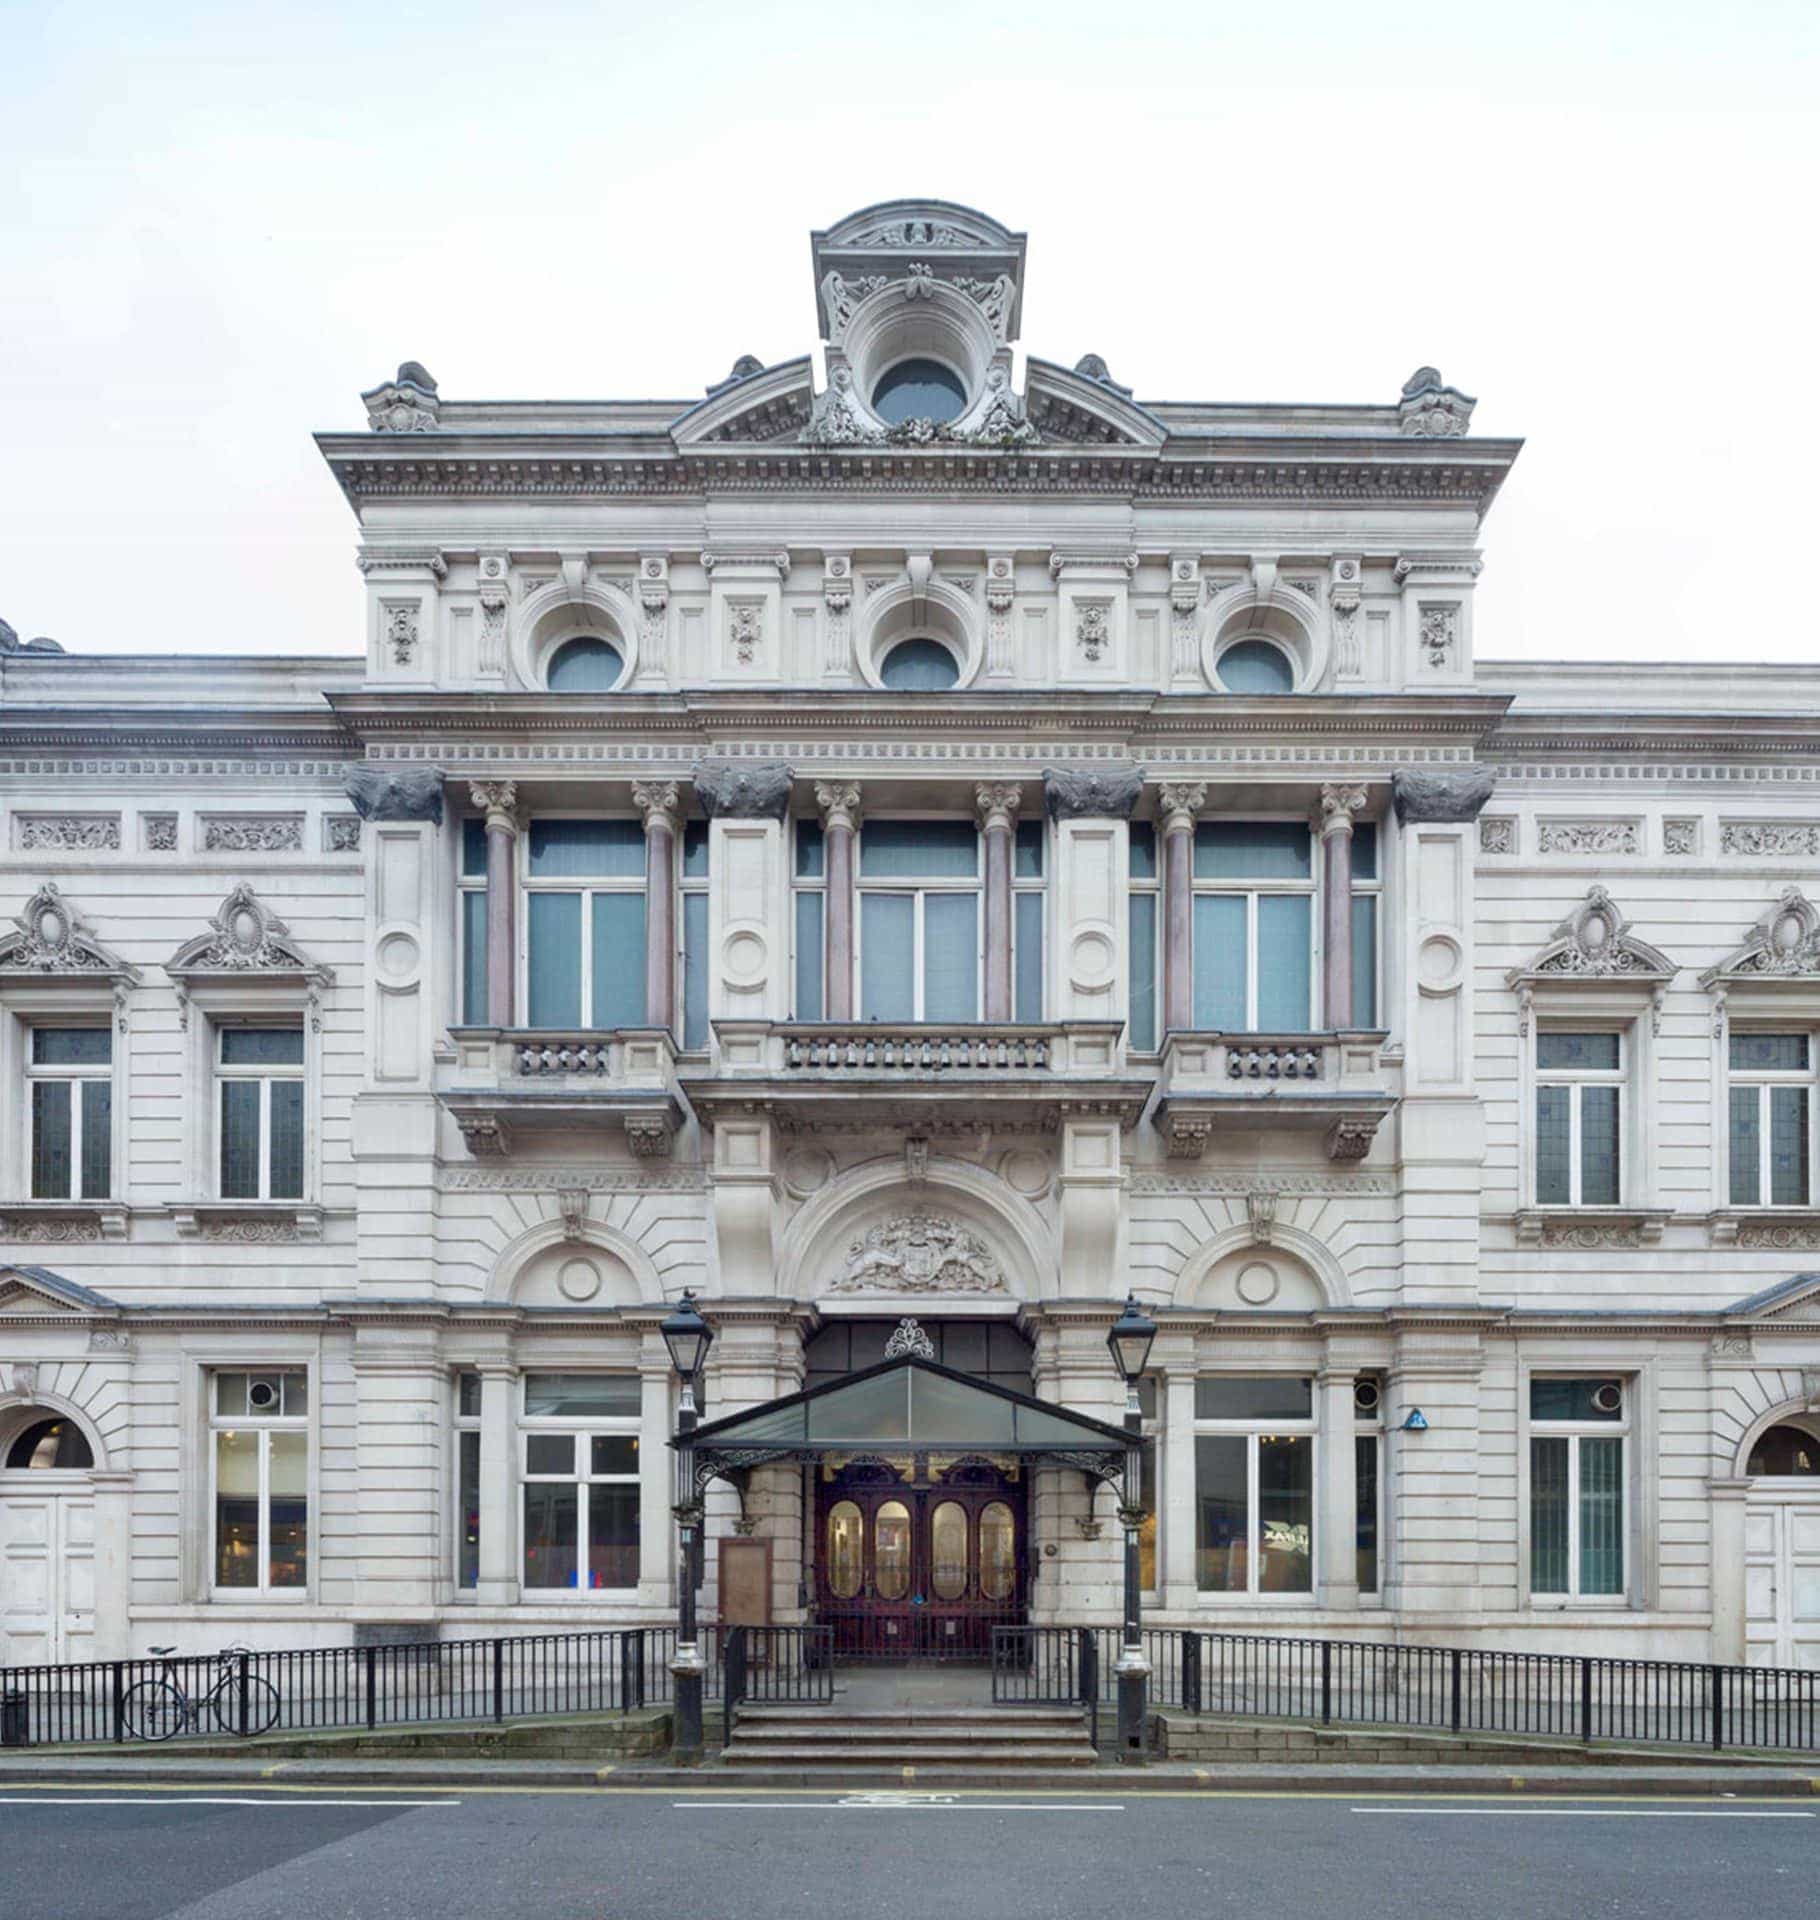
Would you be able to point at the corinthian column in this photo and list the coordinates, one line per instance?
(1180, 803)
(657, 801)
(498, 800)
(997, 805)
(839, 802)
(1338, 806)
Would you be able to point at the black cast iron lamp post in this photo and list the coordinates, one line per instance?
(1131, 1337)
(688, 1337)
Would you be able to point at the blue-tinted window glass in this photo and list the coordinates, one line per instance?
(919, 849)
(951, 956)
(1365, 850)
(600, 849)
(51, 1142)
(887, 931)
(1787, 1146)
(72, 1046)
(1221, 961)
(473, 958)
(1769, 1052)
(919, 666)
(1255, 666)
(811, 851)
(1746, 1146)
(1581, 1052)
(1553, 1163)
(1285, 962)
(1253, 1396)
(585, 666)
(1601, 1515)
(1598, 1146)
(553, 995)
(918, 389)
(473, 849)
(1028, 954)
(1143, 850)
(695, 850)
(695, 969)
(262, 1046)
(809, 998)
(1222, 1500)
(1577, 1397)
(1548, 1519)
(619, 960)
(1028, 864)
(1365, 961)
(240, 1139)
(1251, 850)
(97, 1137)
(287, 1139)
(1143, 970)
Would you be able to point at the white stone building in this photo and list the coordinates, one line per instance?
(930, 835)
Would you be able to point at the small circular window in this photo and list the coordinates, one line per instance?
(586, 665)
(918, 666)
(1255, 666)
(918, 390)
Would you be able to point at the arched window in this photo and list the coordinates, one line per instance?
(918, 389)
(51, 1443)
(1786, 1451)
(586, 665)
(1255, 666)
(919, 666)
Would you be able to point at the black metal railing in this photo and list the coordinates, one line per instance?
(1554, 1696)
(793, 1664)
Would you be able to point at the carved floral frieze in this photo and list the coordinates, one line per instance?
(253, 833)
(67, 832)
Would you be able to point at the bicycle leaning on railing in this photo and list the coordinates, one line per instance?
(241, 1702)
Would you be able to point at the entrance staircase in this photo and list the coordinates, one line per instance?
(895, 1745)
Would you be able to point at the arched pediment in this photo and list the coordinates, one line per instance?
(571, 1260)
(1595, 942)
(53, 939)
(1071, 407)
(1239, 1271)
(769, 404)
(245, 940)
(1783, 945)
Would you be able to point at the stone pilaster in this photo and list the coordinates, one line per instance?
(1181, 803)
(657, 800)
(498, 800)
(839, 803)
(998, 803)
(1339, 804)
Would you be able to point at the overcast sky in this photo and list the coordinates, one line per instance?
(222, 222)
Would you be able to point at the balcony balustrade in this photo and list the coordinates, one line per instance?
(506, 1080)
(1221, 1081)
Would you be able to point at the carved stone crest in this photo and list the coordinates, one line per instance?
(405, 404)
(1595, 939)
(1784, 944)
(1092, 793)
(1441, 797)
(1429, 409)
(919, 1253)
(733, 790)
(54, 938)
(245, 936)
(384, 793)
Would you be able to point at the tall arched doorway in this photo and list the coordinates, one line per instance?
(47, 1539)
(1782, 1545)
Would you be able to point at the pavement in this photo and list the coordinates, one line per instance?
(95, 1850)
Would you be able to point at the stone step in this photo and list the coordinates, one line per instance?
(1018, 1719)
(1035, 1756)
(1004, 1740)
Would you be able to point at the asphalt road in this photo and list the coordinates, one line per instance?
(239, 1854)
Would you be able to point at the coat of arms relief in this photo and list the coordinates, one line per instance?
(919, 1253)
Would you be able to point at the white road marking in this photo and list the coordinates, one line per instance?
(1587, 1813)
(196, 1800)
(899, 1806)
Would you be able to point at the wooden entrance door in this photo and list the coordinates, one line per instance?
(47, 1576)
(919, 1558)
(1782, 1579)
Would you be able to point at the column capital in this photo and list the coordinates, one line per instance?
(498, 800)
(997, 802)
(660, 801)
(839, 803)
(1338, 806)
(1181, 802)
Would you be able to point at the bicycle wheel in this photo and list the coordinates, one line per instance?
(154, 1710)
(261, 1704)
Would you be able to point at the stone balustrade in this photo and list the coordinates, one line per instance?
(875, 1047)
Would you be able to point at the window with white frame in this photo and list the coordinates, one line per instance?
(1579, 1117)
(809, 902)
(259, 1472)
(467, 1480)
(1769, 1133)
(1577, 1432)
(694, 924)
(1253, 926)
(1254, 1484)
(1368, 1459)
(69, 1072)
(1367, 888)
(471, 900)
(1143, 906)
(585, 923)
(580, 1439)
(919, 920)
(259, 1074)
(1027, 859)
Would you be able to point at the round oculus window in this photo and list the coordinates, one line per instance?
(918, 390)
(919, 666)
(586, 665)
(1255, 666)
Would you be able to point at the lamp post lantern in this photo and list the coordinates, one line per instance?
(688, 1337)
(1130, 1339)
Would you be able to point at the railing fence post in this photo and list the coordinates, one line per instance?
(1717, 1676)
(119, 1686)
(499, 1680)
(1327, 1683)
(246, 1660)
(1191, 1671)
(1585, 1697)
(1455, 1662)
(372, 1681)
